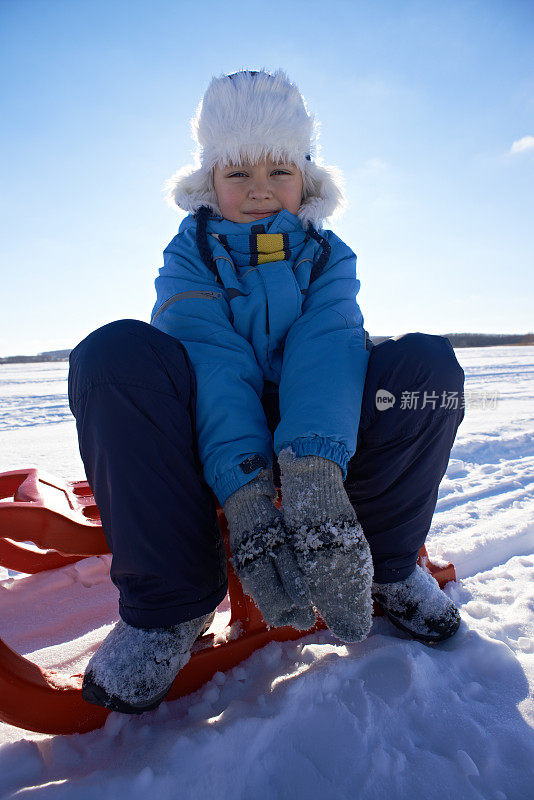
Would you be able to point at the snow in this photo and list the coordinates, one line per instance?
(314, 718)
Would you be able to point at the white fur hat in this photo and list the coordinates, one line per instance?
(249, 116)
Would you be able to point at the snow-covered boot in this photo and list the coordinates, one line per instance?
(134, 668)
(417, 606)
(329, 543)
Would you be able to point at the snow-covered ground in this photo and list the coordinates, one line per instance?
(314, 718)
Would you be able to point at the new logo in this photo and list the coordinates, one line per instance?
(384, 399)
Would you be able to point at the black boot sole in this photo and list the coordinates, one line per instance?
(421, 637)
(95, 694)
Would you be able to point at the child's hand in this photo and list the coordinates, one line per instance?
(328, 542)
(265, 564)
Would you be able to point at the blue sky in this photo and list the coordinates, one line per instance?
(420, 105)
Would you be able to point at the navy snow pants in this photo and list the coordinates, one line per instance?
(132, 391)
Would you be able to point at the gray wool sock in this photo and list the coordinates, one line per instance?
(418, 606)
(328, 542)
(138, 664)
(262, 559)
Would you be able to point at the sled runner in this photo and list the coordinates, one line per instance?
(61, 519)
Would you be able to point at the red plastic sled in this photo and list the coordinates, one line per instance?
(62, 519)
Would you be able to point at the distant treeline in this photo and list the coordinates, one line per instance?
(478, 339)
(50, 355)
(488, 339)
(456, 339)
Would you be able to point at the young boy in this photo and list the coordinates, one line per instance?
(257, 349)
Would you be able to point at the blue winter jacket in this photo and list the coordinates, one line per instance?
(266, 323)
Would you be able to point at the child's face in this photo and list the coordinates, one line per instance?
(254, 191)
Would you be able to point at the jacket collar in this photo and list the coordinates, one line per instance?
(283, 222)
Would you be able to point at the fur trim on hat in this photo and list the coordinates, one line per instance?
(249, 117)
